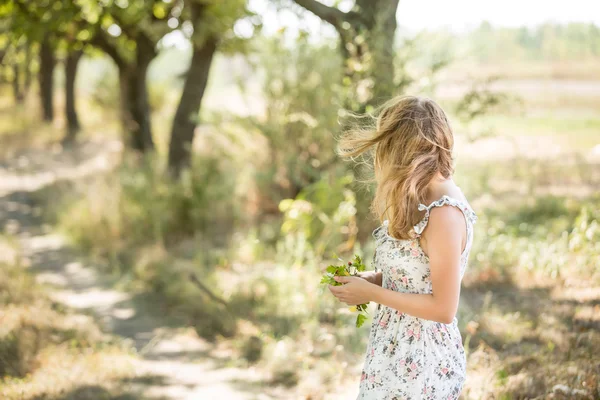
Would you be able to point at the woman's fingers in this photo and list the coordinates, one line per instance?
(339, 293)
(366, 275)
(336, 290)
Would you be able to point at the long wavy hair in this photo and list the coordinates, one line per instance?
(409, 142)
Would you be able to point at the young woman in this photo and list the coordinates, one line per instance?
(415, 348)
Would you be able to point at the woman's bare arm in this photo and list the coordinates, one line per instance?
(444, 234)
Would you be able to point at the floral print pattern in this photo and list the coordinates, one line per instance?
(408, 357)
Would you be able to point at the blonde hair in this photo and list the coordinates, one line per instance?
(411, 141)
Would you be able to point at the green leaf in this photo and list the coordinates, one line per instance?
(327, 279)
(332, 269)
(358, 263)
(360, 320)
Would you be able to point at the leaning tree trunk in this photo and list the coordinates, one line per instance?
(71, 64)
(47, 63)
(142, 136)
(125, 95)
(184, 124)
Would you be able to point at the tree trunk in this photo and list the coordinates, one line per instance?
(381, 46)
(125, 100)
(47, 62)
(184, 124)
(135, 108)
(3, 53)
(71, 64)
(16, 84)
(27, 69)
(142, 136)
(375, 22)
(17, 68)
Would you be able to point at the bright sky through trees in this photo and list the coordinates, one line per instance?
(416, 15)
(458, 15)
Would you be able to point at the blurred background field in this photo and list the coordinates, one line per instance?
(168, 209)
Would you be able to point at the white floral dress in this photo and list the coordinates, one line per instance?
(409, 357)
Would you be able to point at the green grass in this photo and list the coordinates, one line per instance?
(547, 125)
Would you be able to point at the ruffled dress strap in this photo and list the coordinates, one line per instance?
(380, 236)
(468, 212)
(380, 233)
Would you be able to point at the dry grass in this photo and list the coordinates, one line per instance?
(533, 341)
(47, 352)
(22, 127)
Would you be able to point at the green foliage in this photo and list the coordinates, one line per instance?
(545, 214)
(353, 267)
(555, 238)
(139, 204)
(481, 100)
(277, 300)
(301, 115)
(105, 89)
(549, 41)
(131, 216)
(321, 220)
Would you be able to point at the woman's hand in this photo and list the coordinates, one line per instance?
(355, 290)
(371, 276)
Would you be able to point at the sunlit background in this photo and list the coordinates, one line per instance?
(171, 195)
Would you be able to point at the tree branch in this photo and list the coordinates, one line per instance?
(100, 40)
(26, 11)
(135, 32)
(131, 31)
(194, 278)
(330, 14)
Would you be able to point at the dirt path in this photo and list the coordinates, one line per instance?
(173, 362)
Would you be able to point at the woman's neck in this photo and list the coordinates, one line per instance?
(438, 186)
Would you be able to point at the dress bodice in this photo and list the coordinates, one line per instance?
(404, 264)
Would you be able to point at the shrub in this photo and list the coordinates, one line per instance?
(139, 204)
(552, 237)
